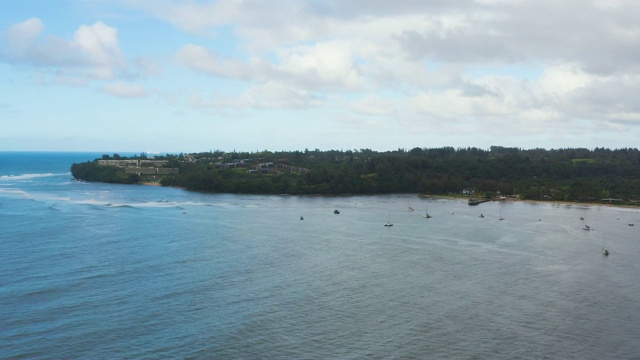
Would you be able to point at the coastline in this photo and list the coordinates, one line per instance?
(150, 183)
(465, 198)
(157, 183)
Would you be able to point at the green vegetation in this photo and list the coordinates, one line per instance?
(91, 171)
(562, 174)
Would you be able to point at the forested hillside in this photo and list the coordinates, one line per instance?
(573, 174)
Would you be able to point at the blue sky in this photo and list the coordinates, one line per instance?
(171, 76)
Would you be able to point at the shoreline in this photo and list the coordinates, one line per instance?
(553, 202)
(451, 197)
(150, 183)
(157, 183)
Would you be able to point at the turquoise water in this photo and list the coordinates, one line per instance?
(93, 270)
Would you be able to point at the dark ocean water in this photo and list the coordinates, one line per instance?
(92, 270)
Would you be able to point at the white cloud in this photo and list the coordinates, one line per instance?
(148, 67)
(21, 36)
(275, 95)
(124, 90)
(325, 65)
(421, 49)
(269, 95)
(94, 50)
(200, 59)
(373, 105)
(410, 66)
(99, 43)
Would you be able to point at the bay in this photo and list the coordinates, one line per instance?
(92, 270)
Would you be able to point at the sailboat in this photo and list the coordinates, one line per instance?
(585, 226)
(426, 214)
(605, 251)
(409, 208)
(389, 224)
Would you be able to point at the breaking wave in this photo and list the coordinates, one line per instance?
(26, 177)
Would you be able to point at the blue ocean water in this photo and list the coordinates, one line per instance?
(90, 270)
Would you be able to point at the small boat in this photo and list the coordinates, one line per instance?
(605, 252)
(426, 213)
(336, 212)
(410, 209)
(389, 223)
(630, 224)
(301, 218)
(481, 216)
(581, 218)
(586, 227)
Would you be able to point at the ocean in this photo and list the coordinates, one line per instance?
(91, 270)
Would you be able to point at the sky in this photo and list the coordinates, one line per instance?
(282, 75)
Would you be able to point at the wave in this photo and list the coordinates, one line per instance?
(138, 205)
(13, 191)
(24, 177)
(123, 206)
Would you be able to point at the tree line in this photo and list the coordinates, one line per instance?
(571, 174)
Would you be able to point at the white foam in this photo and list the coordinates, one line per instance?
(13, 191)
(24, 177)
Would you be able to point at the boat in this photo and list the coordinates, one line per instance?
(585, 226)
(336, 212)
(410, 209)
(301, 218)
(630, 224)
(481, 215)
(426, 214)
(605, 252)
(389, 224)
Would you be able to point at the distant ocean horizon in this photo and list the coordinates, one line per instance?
(92, 270)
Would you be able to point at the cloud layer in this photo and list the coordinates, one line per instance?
(513, 68)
